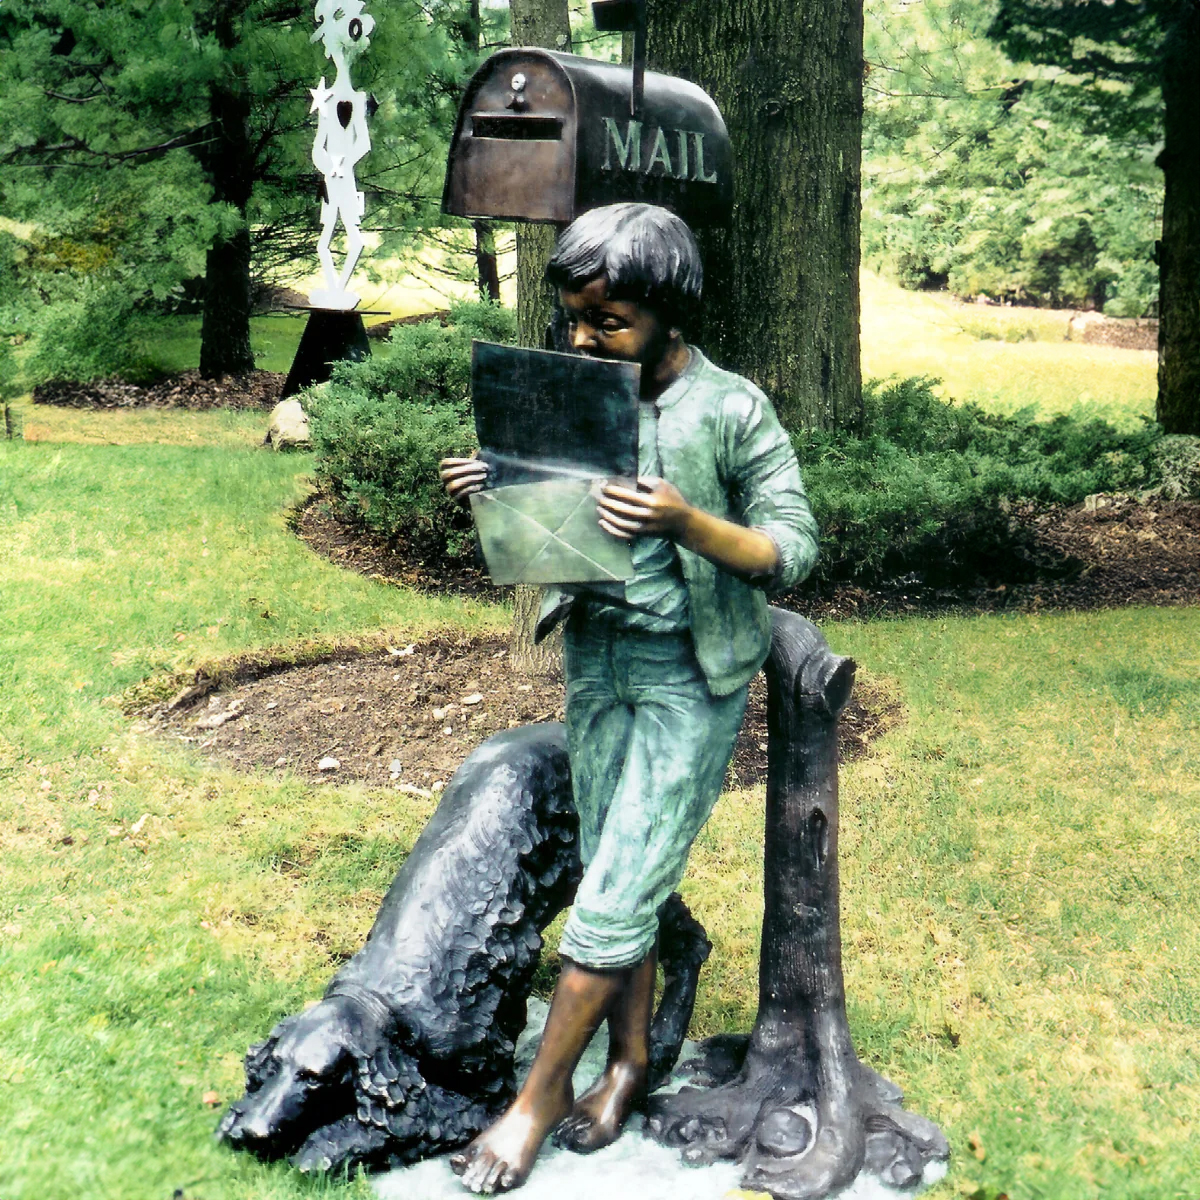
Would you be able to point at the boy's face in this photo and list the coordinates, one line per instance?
(618, 329)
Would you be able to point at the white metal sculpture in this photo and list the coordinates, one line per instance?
(342, 140)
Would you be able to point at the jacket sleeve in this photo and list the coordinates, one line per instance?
(768, 495)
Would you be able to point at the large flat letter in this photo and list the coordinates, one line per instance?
(700, 176)
(661, 154)
(682, 173)
(629, 150)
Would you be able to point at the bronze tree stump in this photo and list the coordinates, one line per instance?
(792, 1100)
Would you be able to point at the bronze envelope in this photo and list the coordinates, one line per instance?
(552, 428)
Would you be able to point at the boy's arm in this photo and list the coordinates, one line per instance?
(775, 545)
(761, 462)
(658, 508)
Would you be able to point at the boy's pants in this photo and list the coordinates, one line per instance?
(649, 745)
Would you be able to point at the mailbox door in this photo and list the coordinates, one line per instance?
(513, 153)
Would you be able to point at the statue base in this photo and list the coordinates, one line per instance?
(634, 1165)
(330, 335)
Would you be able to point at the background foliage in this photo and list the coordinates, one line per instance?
(115, 130)
(990, 176)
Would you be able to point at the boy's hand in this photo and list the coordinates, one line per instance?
(462, 476)
(657, 508)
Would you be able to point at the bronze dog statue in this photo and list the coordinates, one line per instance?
(410, 1053)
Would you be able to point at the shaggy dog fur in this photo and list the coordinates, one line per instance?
(410, 1053)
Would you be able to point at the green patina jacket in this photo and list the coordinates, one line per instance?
(723, 447)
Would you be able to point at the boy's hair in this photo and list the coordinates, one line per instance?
(646, 253)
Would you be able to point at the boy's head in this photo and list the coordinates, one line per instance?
(629, 279)
(644, 253)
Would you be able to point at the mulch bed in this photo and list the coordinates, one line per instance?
(407, 716)
(254, 390)
(1111, 553)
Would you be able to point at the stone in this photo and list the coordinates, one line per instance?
(328, 763)
(288, 428)
(634, 1165)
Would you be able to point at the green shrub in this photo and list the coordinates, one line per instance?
(97, 334)
(379, 428)
(926, 487)
(1178, 459)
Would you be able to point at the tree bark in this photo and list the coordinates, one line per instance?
(1178, 408)
(487, 270)
(229, 161)
(535, 23)
(781, 285)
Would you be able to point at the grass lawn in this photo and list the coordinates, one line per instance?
(1003, 359)
(1019, 857)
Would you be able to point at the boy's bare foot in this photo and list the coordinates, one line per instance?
(601, 1112)
(502, 1156)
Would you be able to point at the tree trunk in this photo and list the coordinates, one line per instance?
(1179, 251)
(535, 23)
(229, 160)
(793, 1101)
(225, 326)
(487, 270)
(781, 285)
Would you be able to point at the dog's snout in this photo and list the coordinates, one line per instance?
(245, 1131)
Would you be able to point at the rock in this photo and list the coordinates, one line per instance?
(288, 427)
(328, 763)
(216, 720)
(473, 698)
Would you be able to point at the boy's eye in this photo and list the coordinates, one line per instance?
(612, 325)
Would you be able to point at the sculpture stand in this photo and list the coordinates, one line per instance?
(792, 1101)
(330, 335)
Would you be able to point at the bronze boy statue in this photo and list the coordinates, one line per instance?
(656, 684)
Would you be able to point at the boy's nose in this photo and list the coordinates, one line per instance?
(584, 337)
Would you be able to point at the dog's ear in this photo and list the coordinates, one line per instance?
(387, 1074)
(257, 1059)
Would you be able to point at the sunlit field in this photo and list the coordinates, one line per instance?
(1003, 359)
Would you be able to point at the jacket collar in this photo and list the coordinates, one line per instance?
(683, 383)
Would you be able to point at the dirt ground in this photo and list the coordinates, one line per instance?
(407, 716)
(257, 389)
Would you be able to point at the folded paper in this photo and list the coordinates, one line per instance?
(548, 533)
(552, 428)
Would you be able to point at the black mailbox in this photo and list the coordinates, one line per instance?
(543, 136)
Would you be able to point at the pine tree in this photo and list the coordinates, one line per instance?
(1150, 48)
(165, 139)
(985, 175)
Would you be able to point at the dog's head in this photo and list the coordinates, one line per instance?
(300, 1078)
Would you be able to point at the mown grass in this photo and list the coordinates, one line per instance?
(1018, 858)
(1003, 359)
(1019, 875)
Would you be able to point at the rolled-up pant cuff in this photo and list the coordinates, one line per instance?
(581, 946)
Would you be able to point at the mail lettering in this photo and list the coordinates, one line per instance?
(652, 150)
